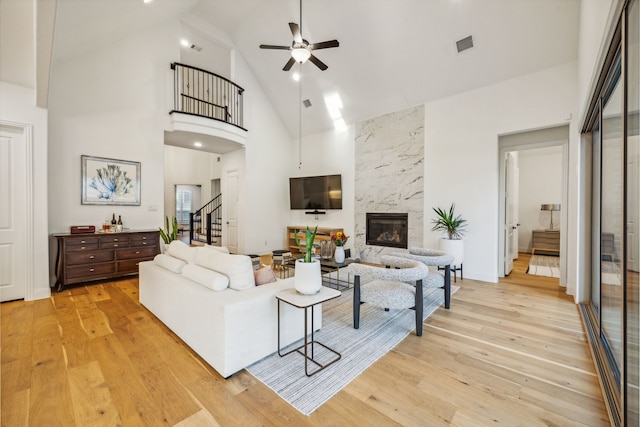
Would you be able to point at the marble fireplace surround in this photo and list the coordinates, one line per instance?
(389, 175)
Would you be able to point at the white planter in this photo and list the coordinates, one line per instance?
(455, 248)
(339, 254)
(308, 279)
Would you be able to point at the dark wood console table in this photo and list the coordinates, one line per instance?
(96, 256)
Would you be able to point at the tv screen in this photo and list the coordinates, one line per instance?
(316, 192)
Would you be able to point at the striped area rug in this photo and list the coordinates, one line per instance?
(543, 265)
(379, 332)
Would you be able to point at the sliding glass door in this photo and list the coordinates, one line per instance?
(612, 317)
(612, 221)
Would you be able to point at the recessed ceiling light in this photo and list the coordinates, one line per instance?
(198, 144)
(147, 1)
(185, 43)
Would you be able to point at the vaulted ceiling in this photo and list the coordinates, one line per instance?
(393, 53)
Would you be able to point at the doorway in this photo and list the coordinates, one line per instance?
(530, 157)
(15, 193)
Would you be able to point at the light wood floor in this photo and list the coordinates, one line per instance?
(508, 354)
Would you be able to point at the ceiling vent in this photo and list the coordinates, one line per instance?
(464, 44)
(306, 103)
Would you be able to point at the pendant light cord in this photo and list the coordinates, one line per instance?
(300, 116)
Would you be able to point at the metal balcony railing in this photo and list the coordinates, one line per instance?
(206, 94)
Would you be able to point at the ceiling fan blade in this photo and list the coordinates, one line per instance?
(324, 45)
(295, 30)
(289, 64)
(270, 46)
(318, 63)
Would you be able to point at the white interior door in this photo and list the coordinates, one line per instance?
(511, 207)
(13, 211)
(231, 201)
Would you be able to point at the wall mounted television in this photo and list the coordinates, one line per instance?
(316, 192)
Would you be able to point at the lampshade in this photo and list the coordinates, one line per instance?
(549, 207)
(300, 54)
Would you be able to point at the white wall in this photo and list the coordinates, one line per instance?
(595, 16)
(111, 103)
(265, 165)
(461, 152)
(187, 167)
(540, 182)
(17, 104)
(325, 153)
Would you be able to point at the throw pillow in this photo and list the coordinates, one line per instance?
(264, 275)
(180, 249)
(170, 263)
(237, 268)
(205, 277)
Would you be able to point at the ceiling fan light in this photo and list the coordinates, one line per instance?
(300, 54)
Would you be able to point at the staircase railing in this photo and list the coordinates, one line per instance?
(206, 94)
(207, 221)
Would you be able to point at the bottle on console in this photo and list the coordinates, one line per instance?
(119, 224)
(113, 222)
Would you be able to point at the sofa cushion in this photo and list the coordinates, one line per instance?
(237, 268)
(223, 249)
(205, 277)
(170, 263)
(264, 275)
(179, 249)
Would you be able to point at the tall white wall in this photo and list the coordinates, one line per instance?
(264, 165)
(17, 105)
(540, 182)
(187, 167)
(111, 103)
(325, 153)
(461, 152)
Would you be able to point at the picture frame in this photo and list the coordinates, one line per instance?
(110, 181)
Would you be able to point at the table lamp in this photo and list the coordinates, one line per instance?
(550, 208)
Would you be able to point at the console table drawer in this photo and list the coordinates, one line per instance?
(144, 239)
(114, 245)
(90, 271)
(78, 247)
(135, 253)
(119, 238)
(89, 257)
(130, 266)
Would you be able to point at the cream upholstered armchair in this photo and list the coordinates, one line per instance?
(436, 259)
(399, 287)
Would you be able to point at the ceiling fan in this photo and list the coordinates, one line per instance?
(300, 48)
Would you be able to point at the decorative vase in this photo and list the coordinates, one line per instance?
(308, 279)
(326, 248)
(339, 255)
(455, 248)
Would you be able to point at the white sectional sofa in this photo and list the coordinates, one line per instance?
(210, 300)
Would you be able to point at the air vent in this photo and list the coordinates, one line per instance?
(464, 44)
(306, 103)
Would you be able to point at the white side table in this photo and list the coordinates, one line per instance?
(307, 302)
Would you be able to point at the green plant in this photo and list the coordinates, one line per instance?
(167, 235)
(309, 238)
(448, 222)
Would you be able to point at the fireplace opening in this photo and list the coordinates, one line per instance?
(388, 229)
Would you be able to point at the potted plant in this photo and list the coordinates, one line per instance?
(308, 279)
(452, 225)
(169, 235)
(339, 239)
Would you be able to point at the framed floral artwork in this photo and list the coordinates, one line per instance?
(110, 181)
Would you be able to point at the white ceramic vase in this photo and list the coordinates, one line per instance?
(308, 279)
(455, 248)
(339, 254)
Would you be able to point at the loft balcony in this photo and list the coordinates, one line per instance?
(207, 104)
